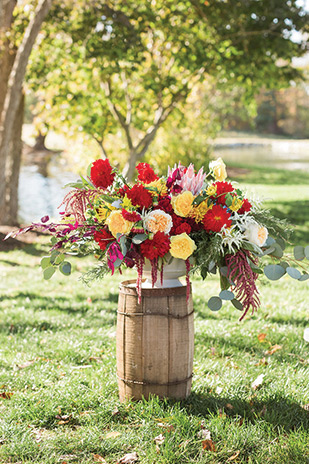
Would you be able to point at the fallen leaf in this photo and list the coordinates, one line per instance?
(208, 445)
(26, 364)
(212, 351)
(168, 427)
(159, 439)
(204, 433)
(306, 407)
(112, 434)
(89, 300)
(273, 349)
(6, 395)
(262, 362)
(95, 358)
(235, 455)
(219, 390)
(229, 406)
(261, 337)
(258, 381)
(128, 458)
(241, 422)
(99, 458)
(115, 412)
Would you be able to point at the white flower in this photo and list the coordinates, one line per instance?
(231, 238)
(255, 233)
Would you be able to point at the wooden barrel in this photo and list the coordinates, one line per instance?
(155, 342)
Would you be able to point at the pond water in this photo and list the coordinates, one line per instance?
(40, 195)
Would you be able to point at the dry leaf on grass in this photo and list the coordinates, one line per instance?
(112, 435)
(208, 445)
(261, 337)
(6, 395)
(273, 349)
(99, 458)
(229, 406)
(262, 362)
(258, 381)
(235, 456)
(159, 439)
(129, 458)
(26, 364)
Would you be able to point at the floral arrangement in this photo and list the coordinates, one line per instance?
(197, 217)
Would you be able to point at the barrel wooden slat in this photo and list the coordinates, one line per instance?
(155, 342)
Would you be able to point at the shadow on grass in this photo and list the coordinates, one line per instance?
(267, 176)
(279, 411)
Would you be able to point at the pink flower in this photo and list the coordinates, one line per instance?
(113, 254)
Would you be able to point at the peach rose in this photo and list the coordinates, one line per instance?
(158, 221)
(117, 224)
(182, 203)
(256, 234)
(182, 246)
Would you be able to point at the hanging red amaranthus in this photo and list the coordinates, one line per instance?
(240, 273)
(76, 202)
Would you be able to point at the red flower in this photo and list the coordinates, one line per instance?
(246, 206)
(216, 218)
(145, 173)
(101, 173)
(177, 221)
(132, 217)
(222, 188)
(139, 196)
(165, 204)
(103, 238)
(184, 227)
(156, 247)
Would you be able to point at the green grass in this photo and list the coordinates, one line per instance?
(57, 358)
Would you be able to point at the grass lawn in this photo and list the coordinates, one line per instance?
(58, 389)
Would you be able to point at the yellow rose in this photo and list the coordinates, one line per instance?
(118, 224)
(182, 246)
(218, 169)
(182, 203)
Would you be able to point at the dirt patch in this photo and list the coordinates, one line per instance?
(19, 241)
(237, 172)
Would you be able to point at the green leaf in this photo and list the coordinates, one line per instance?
(307, 252)
(45, 262)
(293, 272)
(274, 271)
(59, 259)
(304, 277)
(65, 268)
(53, 256)
(270, 241)
(281, 243)
(269, 250)
(226, 295)
(237, 304)
(139, 238)
(78, 184)
(49, 272)
(214, 303)
(299, 253)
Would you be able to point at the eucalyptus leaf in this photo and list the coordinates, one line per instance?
(304, 277)
(274, 271)
(237, 304)
(139, 238)
(299, 253)
(269, 250)
(293, 272)
(49, 272)
(214, 303)
(53, 256)
(59, 259)
(281, 243)
(223, 270)
(227, 295)
(65, 268)
(307, 252)
(278, 253)
(45, 262)
(270, 241)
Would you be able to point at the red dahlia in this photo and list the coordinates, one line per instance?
(139, 196)
(222, 189)
(103, 238)
(132, 217)
(184, 227)
(156, 247)
(216, 218)
(145, 173)
(101, 173)
(246, 206)
(165, 204)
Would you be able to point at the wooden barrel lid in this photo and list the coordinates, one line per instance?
(128, 287)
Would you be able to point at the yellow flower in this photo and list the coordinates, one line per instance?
(158, 221)
(126, 203)
(211, 190)
(182, 203)
(118, 224)
(199, 211)
(103, 211)
(219, 170)
(160, 187)
(182, 246)
(236, 204)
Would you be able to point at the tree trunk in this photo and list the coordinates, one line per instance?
(40, 143)
(12, 176)
(13, 96)
(129, 169)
